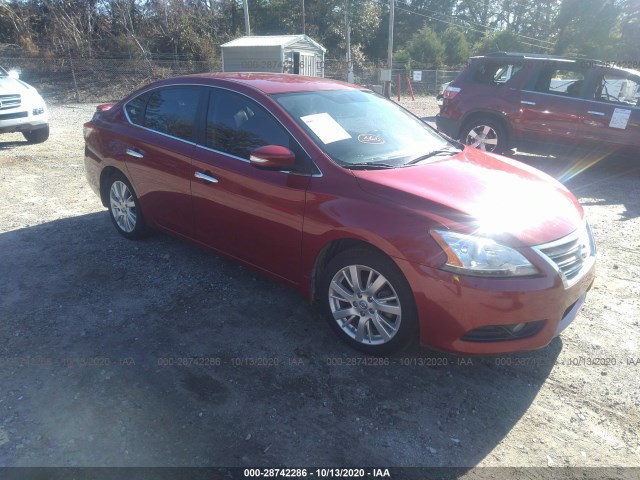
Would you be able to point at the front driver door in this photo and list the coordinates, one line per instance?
(251, 214)
(612, 111)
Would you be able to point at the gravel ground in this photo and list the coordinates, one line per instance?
(156, 353)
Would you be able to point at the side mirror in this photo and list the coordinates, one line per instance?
(15, 73)
(273, 157)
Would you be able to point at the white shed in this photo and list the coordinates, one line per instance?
(296, 54)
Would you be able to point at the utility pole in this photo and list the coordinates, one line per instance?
(304, 23)
(347, 27)
(390, 50)
(247, 28)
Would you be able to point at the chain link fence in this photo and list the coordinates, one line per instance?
(63, 80)
(67, 79)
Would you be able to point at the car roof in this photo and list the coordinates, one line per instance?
(270, 83)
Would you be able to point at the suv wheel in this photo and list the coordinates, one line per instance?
(37, 136)
(485, 134)
(367, 302)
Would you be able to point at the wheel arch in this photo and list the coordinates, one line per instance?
(335, 247)
(105, 175)
(353, 251)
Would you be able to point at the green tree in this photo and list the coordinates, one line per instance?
(588, 27)
(426, 48)
(629, 31)
(504, 41)
(456, 47)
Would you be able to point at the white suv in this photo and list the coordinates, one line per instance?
(22, 109)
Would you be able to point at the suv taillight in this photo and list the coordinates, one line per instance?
(87, 129)
(450, 92)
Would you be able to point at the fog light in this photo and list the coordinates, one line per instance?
(517, 328)
(498, 333)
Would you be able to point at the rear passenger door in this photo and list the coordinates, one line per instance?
(612, 109)
(158, 153)
(551, 104)
(251, 214)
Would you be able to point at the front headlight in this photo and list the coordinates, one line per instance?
(480, 256)
(33, 98)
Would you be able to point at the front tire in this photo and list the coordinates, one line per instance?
(367, 302)
(37, 136)
(485, 134)
(124, 208)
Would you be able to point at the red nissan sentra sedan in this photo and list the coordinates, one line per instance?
(395, 232)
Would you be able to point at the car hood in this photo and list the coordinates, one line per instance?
(10, 86)
(501, 198)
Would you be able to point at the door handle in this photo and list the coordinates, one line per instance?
(134, 154)
(527, 102)
(205, 177)
(599, 114)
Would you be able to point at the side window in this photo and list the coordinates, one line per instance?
(563, 81)
(135, 108)
(236, 125)
(495, 73)
(618, 88)
(172, 110)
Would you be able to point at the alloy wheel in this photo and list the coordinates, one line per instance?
(123, 206)
(483, 137)
(365, 305)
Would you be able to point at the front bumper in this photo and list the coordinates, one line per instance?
(23, 119)
(458, 313)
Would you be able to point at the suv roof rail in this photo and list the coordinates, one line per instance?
(537, 56)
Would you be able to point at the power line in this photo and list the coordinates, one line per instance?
(522, 3)
(478, 24)
(412, 12)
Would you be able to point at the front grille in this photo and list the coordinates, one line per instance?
(10, 101)
(11, 116)
(569, 257)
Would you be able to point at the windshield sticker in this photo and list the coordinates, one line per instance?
(370, 138)
(620, 118)
(325, 127)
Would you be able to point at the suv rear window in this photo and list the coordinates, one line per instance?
(495, 73)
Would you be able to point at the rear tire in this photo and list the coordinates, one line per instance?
(37, 136)
(124, 208)
(485, 134)
(367, 302)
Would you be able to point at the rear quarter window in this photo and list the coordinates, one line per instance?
(135, 108)
(495, 73)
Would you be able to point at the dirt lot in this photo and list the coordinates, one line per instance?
(156, 353)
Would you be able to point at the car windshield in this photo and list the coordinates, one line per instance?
(360, 129)
(3, 72)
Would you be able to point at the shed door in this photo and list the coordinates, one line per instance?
(307, 65)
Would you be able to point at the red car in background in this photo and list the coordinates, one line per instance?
(395, 232)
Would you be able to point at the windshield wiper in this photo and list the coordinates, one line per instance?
(442, 151)
(369, 166)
